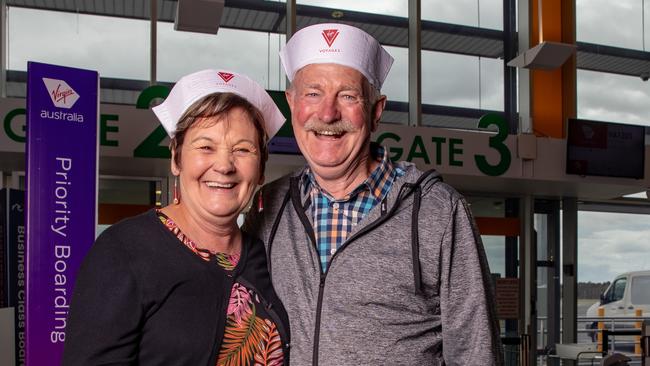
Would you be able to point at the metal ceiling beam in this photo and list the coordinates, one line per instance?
(267, 16)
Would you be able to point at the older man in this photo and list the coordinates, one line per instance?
(376, 263)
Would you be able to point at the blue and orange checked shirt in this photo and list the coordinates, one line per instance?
(334, 219)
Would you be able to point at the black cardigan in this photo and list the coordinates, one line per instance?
(141, 297)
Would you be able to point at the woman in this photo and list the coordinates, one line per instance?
(183, 285)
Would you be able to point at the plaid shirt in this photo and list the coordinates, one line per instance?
(334, 219)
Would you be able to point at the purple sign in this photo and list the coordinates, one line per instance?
(62, 120)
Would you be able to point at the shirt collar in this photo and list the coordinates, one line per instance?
(375, 182)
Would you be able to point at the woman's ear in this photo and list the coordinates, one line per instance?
(176, 170)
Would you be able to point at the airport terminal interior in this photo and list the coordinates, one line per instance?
(502, 97)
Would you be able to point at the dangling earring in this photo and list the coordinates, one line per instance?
(176, 196)
(260, 203)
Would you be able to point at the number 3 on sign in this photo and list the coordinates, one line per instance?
(497, 143)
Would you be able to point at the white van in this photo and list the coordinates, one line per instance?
(628, 292)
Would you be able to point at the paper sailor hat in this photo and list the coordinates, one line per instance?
(193, 87)
(339, 44)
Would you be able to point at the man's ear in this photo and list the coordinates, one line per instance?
(261, 182)
(377, 111)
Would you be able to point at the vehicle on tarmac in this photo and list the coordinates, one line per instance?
(628, 292)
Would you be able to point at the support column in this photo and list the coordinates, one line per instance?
(3, 48)
(525, 114)
(569, 271)
(153, 47)
(553, 93)
(553, 278)
(290, 23)
(415, 64)
(290, 18)
(528, 271)
(510, 73)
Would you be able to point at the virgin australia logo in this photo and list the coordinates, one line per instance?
(225, 76)
(62, 95)
(330, 36)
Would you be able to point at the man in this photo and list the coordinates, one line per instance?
(376, 263)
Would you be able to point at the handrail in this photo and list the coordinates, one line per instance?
(596, 318)
(614, 326)
(607, 333)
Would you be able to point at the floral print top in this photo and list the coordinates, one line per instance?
(251, 336)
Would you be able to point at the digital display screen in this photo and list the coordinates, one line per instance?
(605, 149)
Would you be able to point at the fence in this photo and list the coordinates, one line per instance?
(591, 329)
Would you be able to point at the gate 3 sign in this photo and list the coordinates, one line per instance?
(133, 131)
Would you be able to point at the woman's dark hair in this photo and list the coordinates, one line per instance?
(215, 105)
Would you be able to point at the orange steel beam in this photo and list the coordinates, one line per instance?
(552, 93)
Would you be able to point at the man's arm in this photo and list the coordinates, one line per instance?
(470, 329)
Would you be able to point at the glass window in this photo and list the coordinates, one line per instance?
(392, 7)
(487, 206)
(599, 21)
(462, 81)
(617, 290)
(115, 47)
(475, 13)
(494, 245)
(610, 244)
(449, 79)
(122, 197)
(491, 87)
(396, 84)
(181, 53)
(396, 87)
(495, 251)
(129, 191)
(640, 292)
(613, 98)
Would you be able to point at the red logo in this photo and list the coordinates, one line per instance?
(59, 95)
(226, 76)
(330, 35)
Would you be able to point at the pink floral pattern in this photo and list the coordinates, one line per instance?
(249, 338)
(240, 301)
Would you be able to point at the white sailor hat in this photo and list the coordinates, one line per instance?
(339, 44)
(195, 86)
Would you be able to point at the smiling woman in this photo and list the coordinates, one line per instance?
(183, 285)
(220, 158)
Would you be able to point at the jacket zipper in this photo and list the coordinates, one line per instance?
(295, 198)
(321, 285)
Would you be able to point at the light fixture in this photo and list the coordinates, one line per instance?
(201, 16)
(546, 55)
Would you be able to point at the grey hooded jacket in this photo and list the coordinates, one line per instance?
(410, 286)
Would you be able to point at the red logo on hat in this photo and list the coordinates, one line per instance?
(225, 76)
(330, 35)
